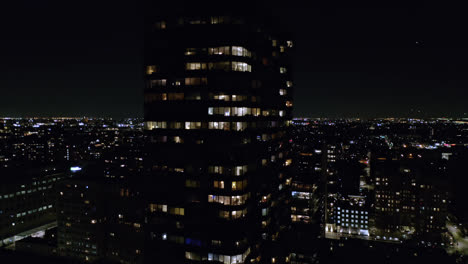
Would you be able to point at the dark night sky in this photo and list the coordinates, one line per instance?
(77, 58)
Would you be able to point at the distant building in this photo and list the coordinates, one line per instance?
(307, 192)
(99, 218)
(347, 207)
(81, 218)
(411, 196)
(27, 200)
(352, 218)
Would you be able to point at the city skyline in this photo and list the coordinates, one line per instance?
(348, 62)
(253, 132)
(382, 190)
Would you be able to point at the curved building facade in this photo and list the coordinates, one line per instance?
(218, 103)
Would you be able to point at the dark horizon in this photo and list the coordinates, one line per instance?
(69, 60)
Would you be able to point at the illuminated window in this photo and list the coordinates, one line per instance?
(289, 104)
(228, 200)
(241, 66)
(150, 125)
(155, 97)
(192, 66)
(239, 98)
(233, 111)
(282, 91)
(192, 256)
(224, 214)
(216, 169)
(190, 51)
(150, 69)
(242, 111)
(220, 51)
(290, 43)
(192, 125)
(219, 125)
(240, 51)
(289, 83)
(218, 184)
(179, 211)
(160, 25)
(222, 97)
(177, 140)
(239, 126)
(283, 70)
(238, 185)
(273, 42)
(232, 214)
(240, 170)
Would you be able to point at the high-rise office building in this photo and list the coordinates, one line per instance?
(218, 103)
(100, 218)
(411, 196)
(27, 201)
(306, 196)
